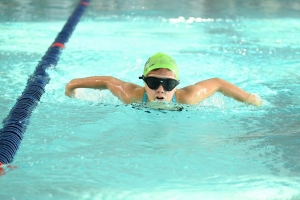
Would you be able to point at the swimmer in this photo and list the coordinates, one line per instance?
(161, 79)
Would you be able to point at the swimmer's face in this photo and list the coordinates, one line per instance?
(160, 94)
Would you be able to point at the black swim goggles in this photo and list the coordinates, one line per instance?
(154, 82)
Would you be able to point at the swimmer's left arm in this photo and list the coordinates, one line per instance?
(237, 93)
(194, 94)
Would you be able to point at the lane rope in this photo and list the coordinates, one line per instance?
(15, 124)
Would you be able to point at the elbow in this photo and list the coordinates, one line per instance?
(217, 80)
(218, 83)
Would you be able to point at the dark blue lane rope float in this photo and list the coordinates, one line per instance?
(15, 124)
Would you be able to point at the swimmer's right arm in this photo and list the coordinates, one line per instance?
(93, 82)
(126, 92)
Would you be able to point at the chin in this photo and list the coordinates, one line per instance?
(160, 100)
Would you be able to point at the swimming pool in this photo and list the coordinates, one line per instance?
(94, 147)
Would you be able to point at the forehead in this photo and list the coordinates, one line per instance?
(162, 73)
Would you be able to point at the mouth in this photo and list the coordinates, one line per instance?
(159, 98)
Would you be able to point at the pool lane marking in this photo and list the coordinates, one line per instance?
(58, 44)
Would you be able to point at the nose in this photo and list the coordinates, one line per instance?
(160, 89)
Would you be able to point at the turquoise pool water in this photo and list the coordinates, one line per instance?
(94, 147)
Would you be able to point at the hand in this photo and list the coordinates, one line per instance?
(69, 92)
(255, 100)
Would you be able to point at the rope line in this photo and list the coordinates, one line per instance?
(15, 124)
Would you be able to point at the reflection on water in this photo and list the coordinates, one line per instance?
(35, 10)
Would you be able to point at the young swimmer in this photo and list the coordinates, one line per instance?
(161, 77)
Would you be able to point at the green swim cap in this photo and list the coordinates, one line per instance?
(161, 60)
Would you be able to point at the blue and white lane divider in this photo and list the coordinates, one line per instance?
(15, 124)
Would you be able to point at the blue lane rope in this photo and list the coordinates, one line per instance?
(15, 124)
